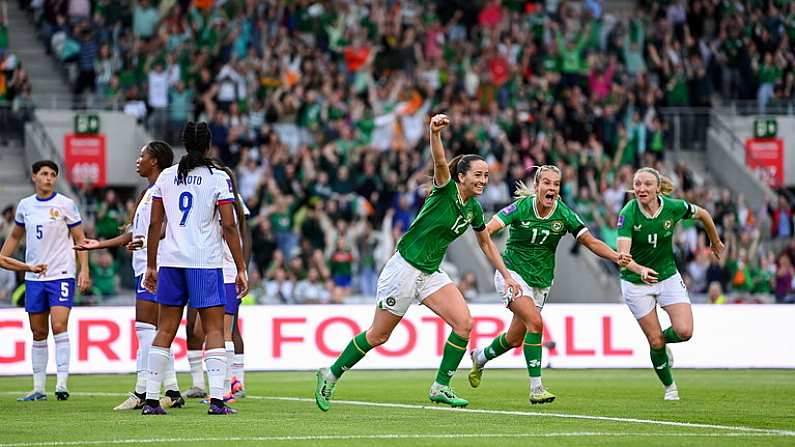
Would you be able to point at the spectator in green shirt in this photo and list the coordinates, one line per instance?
(767, 75)
(104, 273)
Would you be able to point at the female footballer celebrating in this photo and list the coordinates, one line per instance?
(645, 231)
(412, 275)
(538, 220)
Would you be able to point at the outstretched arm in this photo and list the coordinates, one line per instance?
(441, 173)
(601, 249)
(93, 244)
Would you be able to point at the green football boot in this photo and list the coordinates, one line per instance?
(446, 395)
(324, 390)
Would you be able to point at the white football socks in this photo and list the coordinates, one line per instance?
(196, 373)
(62, 351)
(39, 356)
(215, 362)
(145, 333)
(157, 364)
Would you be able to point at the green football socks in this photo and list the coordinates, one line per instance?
(498, 347)
(659, 359)
(671, 336)
(454, 351)
(532, 353)
(354, 352)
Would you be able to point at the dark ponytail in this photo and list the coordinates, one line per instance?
(460, 164)
(196, 137)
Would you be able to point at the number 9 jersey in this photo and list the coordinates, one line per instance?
(193, 230)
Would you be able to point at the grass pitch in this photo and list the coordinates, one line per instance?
(390, 408)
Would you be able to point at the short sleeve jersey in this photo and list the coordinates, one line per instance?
(230, 270)
(652, 236)
(193, 231)
(140, 227)
(531, 246)
(47, 241)
(443, 218)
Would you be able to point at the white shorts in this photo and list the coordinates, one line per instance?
(538, 295)
(400, 285)
(643, 298)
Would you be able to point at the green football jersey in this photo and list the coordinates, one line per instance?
(441, 220)
(652, 236)
(531, 246)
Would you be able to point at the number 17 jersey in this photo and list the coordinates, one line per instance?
(193, 230)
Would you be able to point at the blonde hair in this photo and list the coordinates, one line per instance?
(665, 186)
(522, 190)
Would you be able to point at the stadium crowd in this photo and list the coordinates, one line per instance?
(321, 109)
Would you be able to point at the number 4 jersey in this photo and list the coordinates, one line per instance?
(47, 241)
(193, 232)
(530, 250)
(652, 236)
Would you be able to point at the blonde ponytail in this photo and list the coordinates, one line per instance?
(664, 184)
(522, 190)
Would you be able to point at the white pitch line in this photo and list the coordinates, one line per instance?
(384, 437)
(740, 428)
(541, 414)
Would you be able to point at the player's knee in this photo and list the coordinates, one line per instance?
(536, 324)
(39, 334)
(685, 333)
(656, 341)
(463, 326)
(514, 341)
(58, 327)
(377, 338)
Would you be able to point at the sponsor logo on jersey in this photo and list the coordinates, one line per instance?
(509, 209)
(54, 213)
(636, 227)
(557, 226)
(620, 222)
(668, 224)
(525, 223)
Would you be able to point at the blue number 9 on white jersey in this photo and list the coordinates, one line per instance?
(193, 232)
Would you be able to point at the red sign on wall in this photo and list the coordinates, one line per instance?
(765, 157)
(84, 157)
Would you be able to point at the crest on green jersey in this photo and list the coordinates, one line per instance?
(668, 224)
(469, 215)
(557, 226)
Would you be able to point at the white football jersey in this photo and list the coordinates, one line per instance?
(193, 232)
(230, 271)
(47, 241)
(140, 227)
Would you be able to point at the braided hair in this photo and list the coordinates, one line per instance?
(196, 138)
